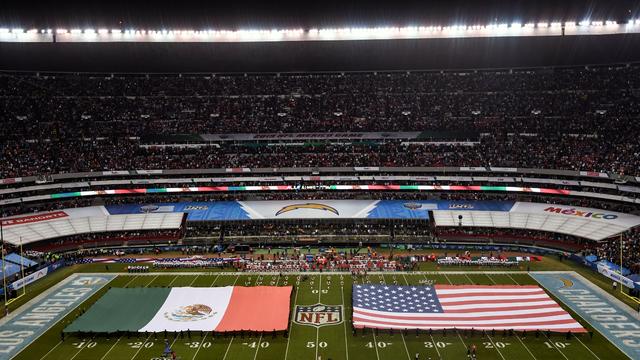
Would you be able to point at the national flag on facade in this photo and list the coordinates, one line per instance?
(229, 308)
(499, 307)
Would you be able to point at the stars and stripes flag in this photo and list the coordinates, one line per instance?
(499, 307)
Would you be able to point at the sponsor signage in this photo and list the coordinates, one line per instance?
(34, 218)
(311, 136)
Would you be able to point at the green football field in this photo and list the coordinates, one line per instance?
(328, 342)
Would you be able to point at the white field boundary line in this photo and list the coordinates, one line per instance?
(597, 289)
(44, 294)
(293, 313)
(344, 319)
(315, 273)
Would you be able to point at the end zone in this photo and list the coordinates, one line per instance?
(613, 319)
(37, 316)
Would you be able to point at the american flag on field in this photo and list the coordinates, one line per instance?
(477, 307)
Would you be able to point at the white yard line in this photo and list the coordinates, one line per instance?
(214, 280)
(586, 347)
(260, 340)
(373, 332)
(258, 347)
(228, 346)
(512, 279)
(526, 347)
(111, 348)
(468, 278)
(344, 320)
(200, 346)
(194, 280)
(457, 333)
(554, 345)
(50, 351)
(152, 280)
(141, 346)
(295, 301)
(495, 347)
(173, 280)
(130, 281)
(490, 278)
(401, 334)
(318, 328)
(435, 345)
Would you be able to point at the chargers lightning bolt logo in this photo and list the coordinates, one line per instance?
(314, 206)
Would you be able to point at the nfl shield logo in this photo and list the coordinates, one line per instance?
(318, 315)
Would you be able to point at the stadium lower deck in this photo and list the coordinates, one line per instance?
(326, 342)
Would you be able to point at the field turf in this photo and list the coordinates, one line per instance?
(329, 342)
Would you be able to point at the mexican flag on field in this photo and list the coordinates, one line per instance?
(229, 308)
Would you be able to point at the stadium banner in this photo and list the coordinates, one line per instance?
(575, 212)
(311, 136)
(616, 276)
(33, 277)
(90, 211)
(309, 209)
(228, 308)
(479, 307)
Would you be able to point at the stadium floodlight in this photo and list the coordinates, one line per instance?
(543, 24)
(89, 31)
(570, 24)
(584, 23)
(32, 31)
(4, 31)
(611, 22)
(76, 31)
(503, 26)
(530, 25)
(116, 31)
(556, 24)
(17, 31)
(103, 31)
(516, 25)
(61, 31)
(597, 23)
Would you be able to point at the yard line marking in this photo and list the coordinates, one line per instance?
(445, 275)
(512, 279)
(490, 278)
(234, 283)
(172, 281)
(141, 346)
(260, 340)
(526, 347)
(495, 347)
(468, 278)
(49, 352)
(111, 348)
(200, 346)
(226, 352)
(194, 280)
(214, 280)
(401, 334)
(318, 328)
(258, 347)
(373, 331)
(583, 344)
(435, 345)
(129, 282)
(152, 280)
(554, 345)
(457, 332)
(295, 301)
(344, 322)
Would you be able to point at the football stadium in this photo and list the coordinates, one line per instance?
(384, 181)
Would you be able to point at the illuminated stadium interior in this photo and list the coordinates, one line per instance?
(270, 188)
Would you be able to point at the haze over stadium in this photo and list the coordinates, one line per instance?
(410, 180)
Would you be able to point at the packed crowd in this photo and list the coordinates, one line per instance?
(610, 250)
(578, 118)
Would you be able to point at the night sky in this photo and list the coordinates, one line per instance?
(302, 14)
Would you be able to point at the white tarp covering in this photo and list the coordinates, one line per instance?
(589, 223)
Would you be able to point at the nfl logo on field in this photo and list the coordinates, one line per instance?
(318, 315)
